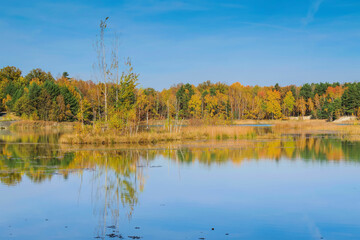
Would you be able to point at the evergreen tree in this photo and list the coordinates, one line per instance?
(44, 105)
(52, 88)
(351, 99)
(320, 88)
(70, 99)
(306, 92)
(23, 106)
(183, 96)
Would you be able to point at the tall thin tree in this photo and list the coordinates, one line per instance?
(102, 63)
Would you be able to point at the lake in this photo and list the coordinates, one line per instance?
(297, 187)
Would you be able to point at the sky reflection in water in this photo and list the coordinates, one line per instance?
(295, 188)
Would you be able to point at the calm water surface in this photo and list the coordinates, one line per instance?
(300, 187)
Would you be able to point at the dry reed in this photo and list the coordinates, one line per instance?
(186, 133)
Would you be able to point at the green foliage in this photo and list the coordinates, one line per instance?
(320, 88)
(10, 73)
(34, 91)
(10, 89)
(65, 75)
(70, 100)
(330, 109)
(123, 115)
(44, 105)
(14, 92)
(127, 97)
(24, 106)
(39, 96)
(213, 91)
(40, 75)
(62, 111)
(351, 99)
(293, 90)
(277, 87)
(52, 88)
(289, 102)
(183, 96)
(306, 92)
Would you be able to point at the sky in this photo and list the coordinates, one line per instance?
(254, 42)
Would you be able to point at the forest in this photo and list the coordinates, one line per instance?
(122, 104)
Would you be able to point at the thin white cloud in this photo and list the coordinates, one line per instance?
(313, 9)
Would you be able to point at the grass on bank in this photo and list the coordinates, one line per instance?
(42, 125)
(75, 134)
(216, 132)
(159, 135)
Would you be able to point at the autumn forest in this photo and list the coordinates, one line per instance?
(39, 96)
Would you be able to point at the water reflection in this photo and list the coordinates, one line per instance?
(40, 157)
(119, 176)
(116, 180)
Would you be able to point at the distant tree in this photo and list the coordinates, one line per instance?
(330, 109)
(212, 91)
(288, 103)
(128, 83)
(6, 102)
(70, 102)
(62, 111)
(294, 91)
(84, 114)
(317, 105)
(273, 106)
(351, 99)
(102, 65)
(277, 87)
(310, 105)
(338, 111)
(152, 103)
(44, 105)
(306, 91)
(10, 73)
(320, 88)
(195, 106)
(335, 92)
(183, 96)
(301, 104)
(211, 106)
(52, 88)
(23, 106)
(34, 91)
(40, 75)
(65, 75)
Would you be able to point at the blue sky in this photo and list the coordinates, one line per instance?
(251, 41)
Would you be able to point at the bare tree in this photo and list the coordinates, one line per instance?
(101, 65)
(115, 66)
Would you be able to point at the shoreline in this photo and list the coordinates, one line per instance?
(74, 133)
(278, 129)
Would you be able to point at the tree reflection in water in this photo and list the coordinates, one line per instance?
(118, 176)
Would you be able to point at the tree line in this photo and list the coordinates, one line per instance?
(39, 96)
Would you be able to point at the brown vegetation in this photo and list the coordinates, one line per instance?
(159, 135)
(42, 125)
(214, 132)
